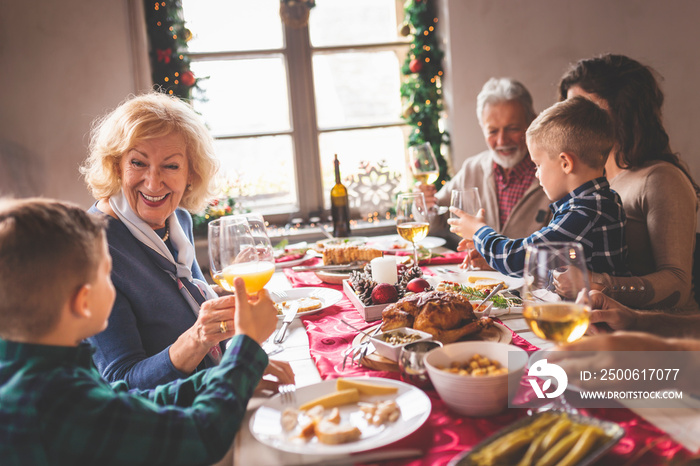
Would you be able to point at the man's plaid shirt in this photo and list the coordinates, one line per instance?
(591, 215)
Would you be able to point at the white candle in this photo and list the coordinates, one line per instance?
(384, 270)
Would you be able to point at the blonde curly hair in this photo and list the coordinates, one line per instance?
(145, 117)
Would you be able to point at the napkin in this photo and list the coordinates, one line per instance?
(682, 423)
(444, 259)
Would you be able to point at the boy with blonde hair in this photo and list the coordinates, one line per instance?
(569, 144)
(55, 408)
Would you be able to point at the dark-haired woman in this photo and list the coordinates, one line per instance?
(659, 195)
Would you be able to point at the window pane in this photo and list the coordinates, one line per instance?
(233, 25)
(357, 88)
(363, 22)
(244, 96)
(260, 171)
(363, 154)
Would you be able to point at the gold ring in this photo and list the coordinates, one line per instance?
(222, 326)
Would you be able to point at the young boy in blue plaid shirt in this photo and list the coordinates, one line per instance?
(569, 143)
(55, 409)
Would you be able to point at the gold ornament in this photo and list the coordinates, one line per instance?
(405, 29)
(188, 35)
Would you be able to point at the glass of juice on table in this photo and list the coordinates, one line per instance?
(240, 256)
(412, 219)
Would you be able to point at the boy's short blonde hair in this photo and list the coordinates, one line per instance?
(48, 250)
(576, 126)
(145, 117)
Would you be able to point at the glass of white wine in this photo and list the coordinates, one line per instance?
(556, 304)
(412, 219)
(468, 201)
(240, 257)
(424, 168)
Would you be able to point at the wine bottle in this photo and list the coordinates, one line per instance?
(340, 210)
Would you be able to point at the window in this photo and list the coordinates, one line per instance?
(281, 102)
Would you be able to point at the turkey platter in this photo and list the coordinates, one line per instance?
(445, 315)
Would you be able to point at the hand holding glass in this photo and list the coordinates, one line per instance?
(412, 219)
(240, 257)
(469, 202)
(424, 168)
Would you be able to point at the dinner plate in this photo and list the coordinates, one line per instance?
(295, 262)
(498, 333)
(334, 278)
(414, 404)
(396, 244)
(462, 276)
(342, 241)
(327, 296)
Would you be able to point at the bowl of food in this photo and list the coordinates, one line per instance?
(389, 343)
(476, 378)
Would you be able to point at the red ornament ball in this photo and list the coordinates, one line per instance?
(384, 293)
(187, 78)
(415, 65)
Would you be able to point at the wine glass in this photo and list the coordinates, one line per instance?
(240, 257)
(412, 219)
(215, 268)
(468, 201)
(263, 245)
(424, 168)
(556, 303)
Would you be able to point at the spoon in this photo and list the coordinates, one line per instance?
(495, 290)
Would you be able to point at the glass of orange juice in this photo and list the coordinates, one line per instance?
(240, 258)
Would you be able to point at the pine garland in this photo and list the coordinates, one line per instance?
(168, 38)
(421, 89)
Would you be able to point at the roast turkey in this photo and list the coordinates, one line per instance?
(445, 315)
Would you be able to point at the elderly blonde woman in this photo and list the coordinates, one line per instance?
(150, 161)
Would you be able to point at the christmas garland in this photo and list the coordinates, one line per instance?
(421, 89)
(168, 37)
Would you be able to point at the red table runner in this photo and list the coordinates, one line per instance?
(447, 434)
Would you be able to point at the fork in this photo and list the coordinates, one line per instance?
(280, 295)
(288, 394)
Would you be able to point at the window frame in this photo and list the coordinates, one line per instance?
(304, 129)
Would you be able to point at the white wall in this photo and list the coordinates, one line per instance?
(64, 63)
(534, 41)
(67, 62)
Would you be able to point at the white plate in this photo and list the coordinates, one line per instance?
(462, 276)
(293, 263)
(342, 241)
(327, 296)
(414, 404)
(397, 244)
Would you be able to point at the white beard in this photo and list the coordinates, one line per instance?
(510, 161)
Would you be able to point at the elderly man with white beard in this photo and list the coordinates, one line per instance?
(515, 205)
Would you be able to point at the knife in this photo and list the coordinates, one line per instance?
(288, 318)
(351, 266)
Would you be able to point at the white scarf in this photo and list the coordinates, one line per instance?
(146, 235)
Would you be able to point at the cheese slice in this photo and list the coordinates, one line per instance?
(339, 398)
(366, 388)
